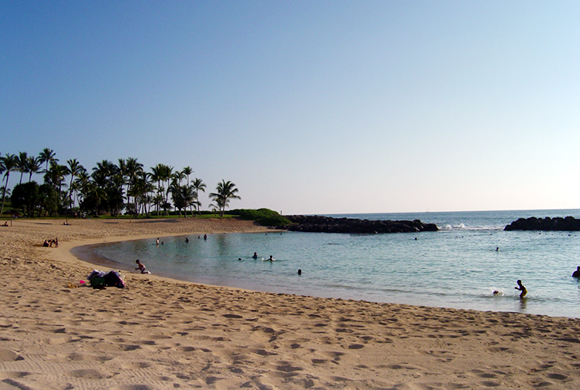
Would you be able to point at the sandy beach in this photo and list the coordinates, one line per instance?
(161, 334)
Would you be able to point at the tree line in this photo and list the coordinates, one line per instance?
(121, 188)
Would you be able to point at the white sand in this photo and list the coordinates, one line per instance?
(163, 334)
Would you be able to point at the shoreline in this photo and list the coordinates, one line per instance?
(163, 333)
(67, 248)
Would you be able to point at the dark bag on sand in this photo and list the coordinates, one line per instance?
(113, 279)
(98, 282)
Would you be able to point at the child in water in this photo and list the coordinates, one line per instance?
(521, 288)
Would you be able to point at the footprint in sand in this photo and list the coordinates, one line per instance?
(84, 357)
(86, 374)
(134, 365)
(232, 316)
(7, 355)
(560, 377)
(12, 375)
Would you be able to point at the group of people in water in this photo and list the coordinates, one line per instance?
(255, 256)
(141, 267)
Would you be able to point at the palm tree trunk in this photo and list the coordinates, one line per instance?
(4, 192)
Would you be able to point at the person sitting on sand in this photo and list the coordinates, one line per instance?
(141, 267)
(46, 244)
(521, 288)
(5, 224)
(576, 273)
(256, 256)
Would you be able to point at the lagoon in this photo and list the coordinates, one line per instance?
(457, 266)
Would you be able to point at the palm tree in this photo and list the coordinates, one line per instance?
(162, 173)
(176, 195)
(108, 181)
(187, 171)
(156, 174)
(81, 185)
(133, 170)
(146, 188)
(188, 196)
(225, 191)
(32, 166)
(178, 176)
(22, 164)
(55, 177)
(96, 195)
(166, 175)
(74, 168)
(103, 173)
(158, 201)
(198, 185)
(47, 157)
(8, 163)
(139, 190)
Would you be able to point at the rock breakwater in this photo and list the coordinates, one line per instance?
(321, 224)
(547, 224)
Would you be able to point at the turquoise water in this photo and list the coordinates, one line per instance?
(457, 266)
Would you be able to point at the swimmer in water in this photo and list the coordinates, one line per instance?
(522, 288)
(255, 256)
(271, 259)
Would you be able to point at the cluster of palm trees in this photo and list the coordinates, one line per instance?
(122, 188)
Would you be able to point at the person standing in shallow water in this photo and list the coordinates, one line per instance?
(522, 288)
(576, 273)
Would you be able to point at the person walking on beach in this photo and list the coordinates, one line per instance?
(522, 288)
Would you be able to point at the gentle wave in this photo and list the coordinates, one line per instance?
(462, 226)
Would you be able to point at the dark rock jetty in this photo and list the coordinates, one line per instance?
(319, 224)
(547, 224)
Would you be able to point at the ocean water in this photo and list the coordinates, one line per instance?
(456, 267)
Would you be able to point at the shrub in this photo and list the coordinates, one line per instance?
(264, 217)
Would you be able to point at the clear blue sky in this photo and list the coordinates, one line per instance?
(308, 106)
